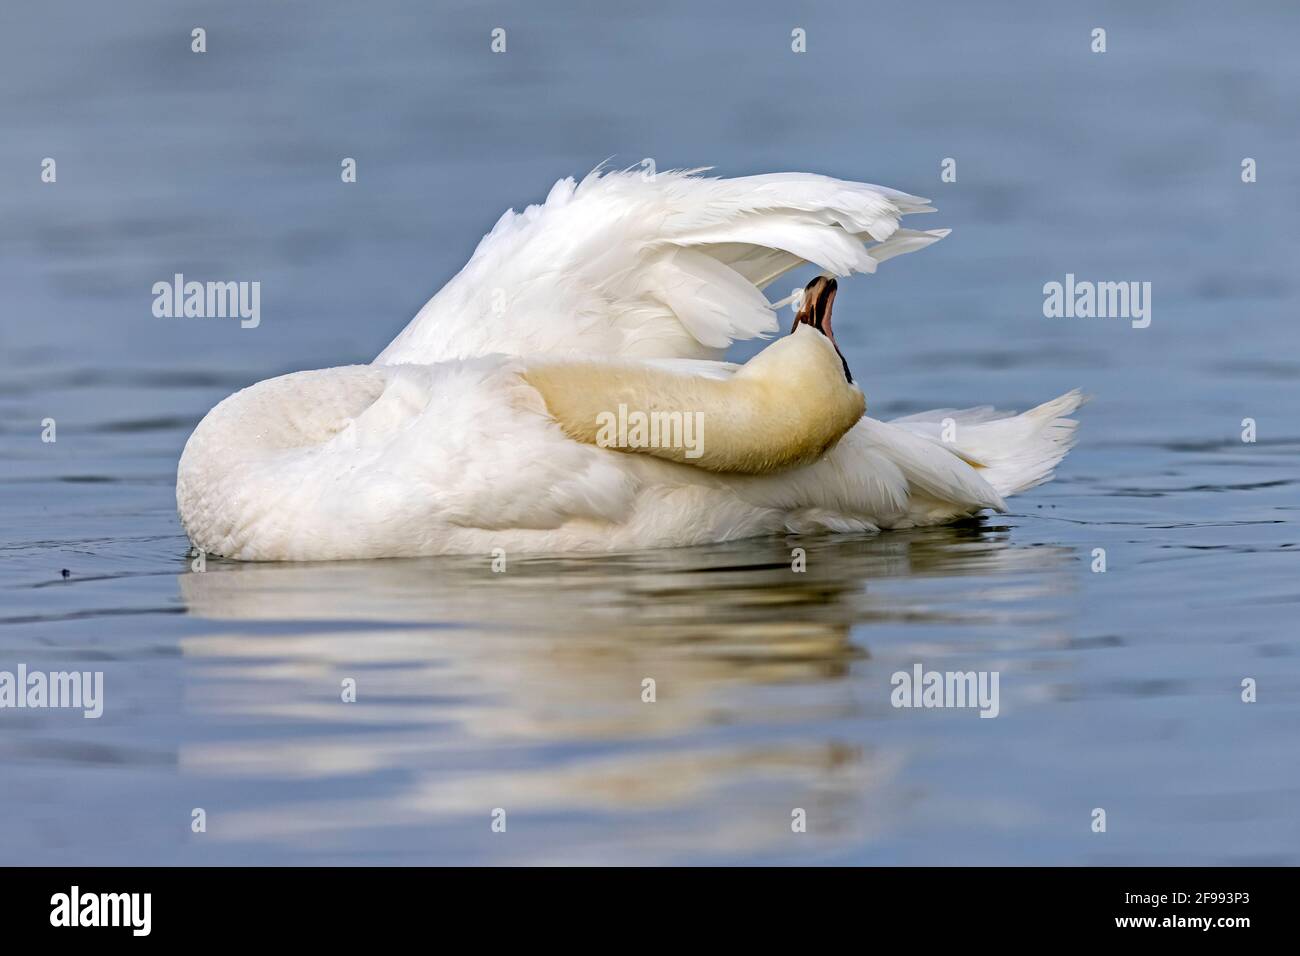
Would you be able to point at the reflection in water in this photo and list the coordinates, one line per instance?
(523, 689)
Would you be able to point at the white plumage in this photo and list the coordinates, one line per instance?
(669, 266)
(442, 445)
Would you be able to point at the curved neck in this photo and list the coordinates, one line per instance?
(786, 407)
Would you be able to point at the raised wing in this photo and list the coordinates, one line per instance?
(667, 265)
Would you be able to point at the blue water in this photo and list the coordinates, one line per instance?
(522, 691)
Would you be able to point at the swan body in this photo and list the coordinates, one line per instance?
(484, 424)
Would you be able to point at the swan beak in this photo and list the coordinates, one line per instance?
(818, 297)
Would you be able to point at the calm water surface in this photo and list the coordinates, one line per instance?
(522, 690)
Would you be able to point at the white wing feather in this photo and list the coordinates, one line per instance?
(665, 266)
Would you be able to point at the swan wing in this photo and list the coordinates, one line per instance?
(666, 265)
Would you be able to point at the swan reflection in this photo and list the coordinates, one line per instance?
(528, 689)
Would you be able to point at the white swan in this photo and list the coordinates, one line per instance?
(487, 423)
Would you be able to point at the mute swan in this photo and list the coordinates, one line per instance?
(488, 422)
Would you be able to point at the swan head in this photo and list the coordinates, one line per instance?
(818, 298)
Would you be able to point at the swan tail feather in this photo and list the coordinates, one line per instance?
(1012, 453)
